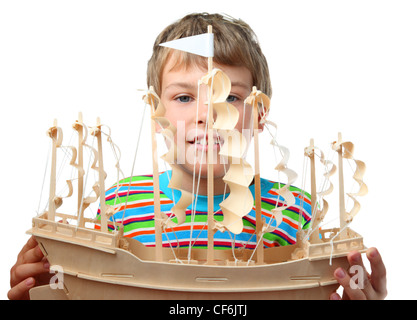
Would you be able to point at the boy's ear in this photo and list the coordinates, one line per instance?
(158, 127)
(261, 124)
(262, 115)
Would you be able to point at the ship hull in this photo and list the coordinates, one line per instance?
(100, 272)
(92, 290)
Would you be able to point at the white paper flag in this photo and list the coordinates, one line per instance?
(202, 44)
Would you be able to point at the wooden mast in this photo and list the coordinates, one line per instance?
(315, 238)
(80, 129)
(53, 134)
(209, 159)
(156, 189)
(342, 209)
(102, 176)
(258, 202)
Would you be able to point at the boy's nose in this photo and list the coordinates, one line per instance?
(203, 110)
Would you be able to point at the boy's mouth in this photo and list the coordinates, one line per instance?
(201, 142)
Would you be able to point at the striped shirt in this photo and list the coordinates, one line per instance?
(139, 223)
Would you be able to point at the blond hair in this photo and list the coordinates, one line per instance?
(235, 44)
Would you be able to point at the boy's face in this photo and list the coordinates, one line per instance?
(179, 94)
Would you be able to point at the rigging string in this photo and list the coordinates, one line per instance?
(215, 130)
(274, 146)
(249, 135)
(76, 166)
(168, 131)
(43, 182)
(176, 182)
(85, 131)
(326, 186)
(222, 84)
(303, 188)
(173, 199)
(330, 155)
(251, 128)
(323, 191)
(66, 156)
(170, 245)
(326, 181)
(287, 196)
(205, 142)
(194, 191)
(258, 241)
(134, 162)
(332, 239)
(304, 173)
(117, 155)
(244, 155)
(92, 163)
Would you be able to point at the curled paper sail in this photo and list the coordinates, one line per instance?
(347, 148)
(330, 169)
(202, 44)
(284, 191)
(227, 114)
(262, 101)
(263, 106)
(59, 199)
(169, 131)
(239, 175)
(115, 207)
(82, 130)
(56, 134)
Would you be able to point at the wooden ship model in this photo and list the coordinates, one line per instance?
(103, 264)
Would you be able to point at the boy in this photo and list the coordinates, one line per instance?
(174, 75)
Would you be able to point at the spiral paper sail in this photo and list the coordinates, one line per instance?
(240, 174)
(82, 130)
(55, 201)
(169, 131)
(284, 191)
(347, 148)
(261, 101)
(330, 169)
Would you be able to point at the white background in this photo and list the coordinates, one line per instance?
(346, 66)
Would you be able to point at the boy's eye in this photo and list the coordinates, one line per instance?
(231, 99)
(183, 99)
(187, 99)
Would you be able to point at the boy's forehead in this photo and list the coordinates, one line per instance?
(179, 76)
(178, 63)
(176, 72)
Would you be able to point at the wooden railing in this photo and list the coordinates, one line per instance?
(335, 246)
(63, 228)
